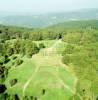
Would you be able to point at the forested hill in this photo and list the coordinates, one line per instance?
(75, 24)
(61, 59)
(52, 32)
(44, 20)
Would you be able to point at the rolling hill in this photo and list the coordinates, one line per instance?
(44, 20)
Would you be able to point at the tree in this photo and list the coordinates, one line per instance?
(41, 45)
(2, 60)
(17, 46)
(66, 59)
(10, 51)
(18, 61)
(2, 88)
(31, 49)
(1, 48)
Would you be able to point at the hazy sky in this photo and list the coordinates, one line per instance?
(43, 6)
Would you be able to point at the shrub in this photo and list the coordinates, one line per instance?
(2, 69)
(2, 88)
(16, 97)
(66, 59)
(13, 82)
(2, 59)
(31, 49)
(14, 57)
(10, 51)
(6, 59)
(41, 45)
(19, 62)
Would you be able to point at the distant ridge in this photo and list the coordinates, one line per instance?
(44, 20)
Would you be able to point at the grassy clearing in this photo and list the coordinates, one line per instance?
(44, 71)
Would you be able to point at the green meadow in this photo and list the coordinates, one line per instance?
(44, 70)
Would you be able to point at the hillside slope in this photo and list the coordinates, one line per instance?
(44, 71)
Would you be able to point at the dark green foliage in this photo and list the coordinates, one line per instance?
(2, 88)
(43, 92)
(0, 31)
(66, 59)
(3, 72)
(2, 69)
(18, 62)
(16, 97)
(14, 57)
(17, 46)
(13, 82)
(2, 60)
(31, 49)
(1, 48)
(41, 45)
(10, 51)
(6, 59)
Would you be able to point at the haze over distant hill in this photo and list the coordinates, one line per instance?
(44, 20)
